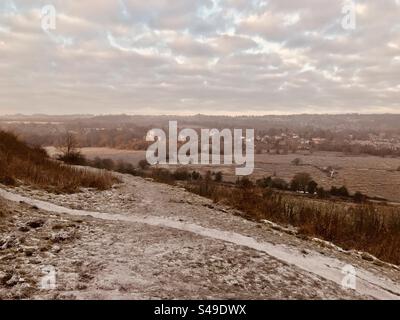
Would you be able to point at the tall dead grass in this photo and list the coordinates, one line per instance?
(31, 165)
(365, 227)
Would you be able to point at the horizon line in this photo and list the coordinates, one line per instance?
(232, 115)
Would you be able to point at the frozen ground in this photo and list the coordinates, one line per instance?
(148, 240)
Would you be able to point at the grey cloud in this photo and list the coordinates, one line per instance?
(215, 56)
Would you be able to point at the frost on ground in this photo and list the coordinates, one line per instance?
(146, 240)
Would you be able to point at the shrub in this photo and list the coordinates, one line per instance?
(73, 158)
(340, 192)
(300, 181)
(312, 187)
(143, 164)
(7, 180)
(218, 176)
(181, 174)
(162, 175)
(359, 197)
(124, 167)
(278, 183)
(244, 183)
(321, 193)
(264, 182)
(195, 175)
(343, 192)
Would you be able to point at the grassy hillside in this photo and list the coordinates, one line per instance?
(368, 227)
(364, 227)
(21, 163)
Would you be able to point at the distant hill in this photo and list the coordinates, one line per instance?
(319, 121)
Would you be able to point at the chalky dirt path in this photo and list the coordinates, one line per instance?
(144, 240)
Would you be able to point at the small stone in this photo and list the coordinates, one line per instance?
(379, 263)
(12, 281)
(367, 256)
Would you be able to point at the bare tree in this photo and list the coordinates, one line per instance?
(69, 150)
(68, 144)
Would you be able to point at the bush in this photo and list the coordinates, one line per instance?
(73, 158)
(300, 182)
(181, 174)
(99, 163)
(244, 183)
(264, 182)
(321, 193)
(312, 187)
(218, 177)
(278, 183)
(359, 197)
(343, 192)
(195, 176)
(124, 167)
(340, 192)
(162, 175)
(275, 183)
(143, 164)
(8, 181)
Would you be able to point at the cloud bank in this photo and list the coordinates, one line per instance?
(199, 56)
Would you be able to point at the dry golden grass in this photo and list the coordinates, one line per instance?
(18, 161)
(371, 228)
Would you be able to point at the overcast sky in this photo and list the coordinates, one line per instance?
(199, 56)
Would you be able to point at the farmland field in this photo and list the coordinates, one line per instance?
(371, 175)
(374, 176)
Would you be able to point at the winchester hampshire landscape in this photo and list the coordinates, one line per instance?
(199, 150)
